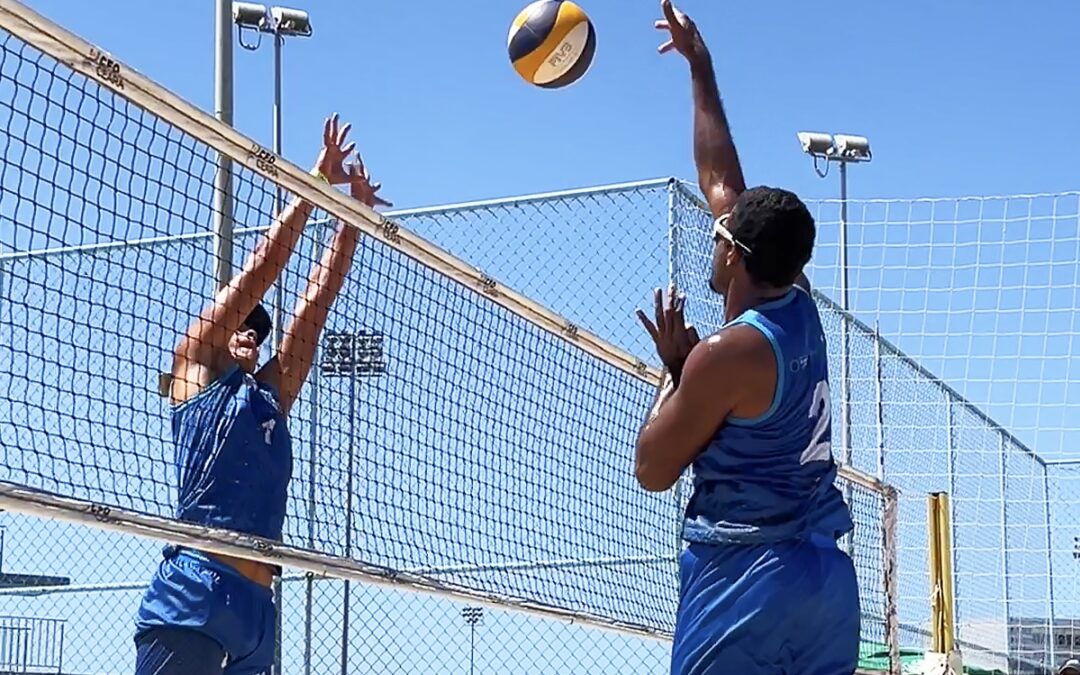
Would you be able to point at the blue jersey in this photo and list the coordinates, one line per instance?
(772, 478)
(233, 456)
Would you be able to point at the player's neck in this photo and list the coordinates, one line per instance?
(743, 296)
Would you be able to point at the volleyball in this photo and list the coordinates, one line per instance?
(551, 43)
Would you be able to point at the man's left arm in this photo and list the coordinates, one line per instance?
(684, 418)
(291, 364)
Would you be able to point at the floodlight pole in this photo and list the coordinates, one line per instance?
(279, 301)
(223, 110)
(352, 355)
(279, 197)
(349, 467)
(845, 327)
(838, 151)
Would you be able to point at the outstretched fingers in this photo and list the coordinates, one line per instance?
(341, 135)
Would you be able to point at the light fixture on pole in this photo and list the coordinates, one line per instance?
(842, 149)
(472, 616)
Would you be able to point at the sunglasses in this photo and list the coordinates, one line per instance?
(720, 231)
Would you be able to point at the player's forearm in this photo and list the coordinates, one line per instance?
(719, 172)
(272, 254)
(664, 391)
(324, 283)
(328, 277)
(648, 465)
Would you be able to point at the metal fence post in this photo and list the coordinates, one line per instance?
(879, 398)
(888, 514)
(1002, 469)
(673, 274)
(3, 298)
(313, 452)
(950, 422)
(1051, 610)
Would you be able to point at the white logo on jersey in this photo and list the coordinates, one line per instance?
(800, 363)
(268, 429)
(820, 407)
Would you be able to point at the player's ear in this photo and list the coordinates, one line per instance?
(732, 256)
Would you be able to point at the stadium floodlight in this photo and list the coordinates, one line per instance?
(289, 22)
(816, 144)
(853, 148)
(251, 15)
(281, 22)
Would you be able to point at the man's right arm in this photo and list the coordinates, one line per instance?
(720, 175)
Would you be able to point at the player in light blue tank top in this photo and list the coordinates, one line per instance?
(202, 613)
(764, 588)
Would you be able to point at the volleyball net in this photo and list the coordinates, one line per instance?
(463, 445)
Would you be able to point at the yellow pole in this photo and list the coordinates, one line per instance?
(934, 559)
(946, 574)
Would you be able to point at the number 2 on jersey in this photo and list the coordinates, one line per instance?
(820, 448)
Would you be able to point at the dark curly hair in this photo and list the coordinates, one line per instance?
(779, 231)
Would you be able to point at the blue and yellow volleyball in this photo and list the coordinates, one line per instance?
(552, 43)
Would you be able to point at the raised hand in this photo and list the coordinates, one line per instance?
(361, 187)
(334, 151)
(683, 35)
(673, 338)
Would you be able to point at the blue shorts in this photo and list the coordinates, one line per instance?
(770, 609)
(201, 611)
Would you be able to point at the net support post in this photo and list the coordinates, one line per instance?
(942, 657)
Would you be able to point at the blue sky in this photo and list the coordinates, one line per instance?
(949, 93)
(941, 89)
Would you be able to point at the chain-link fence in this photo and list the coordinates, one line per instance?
(962, 378)
(345, 437)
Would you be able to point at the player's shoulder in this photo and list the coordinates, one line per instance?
(733, 349)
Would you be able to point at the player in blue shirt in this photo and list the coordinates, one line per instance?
(205, 613)
(764, 588)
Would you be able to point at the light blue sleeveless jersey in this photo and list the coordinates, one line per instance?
(772, 478)
(233, 456)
